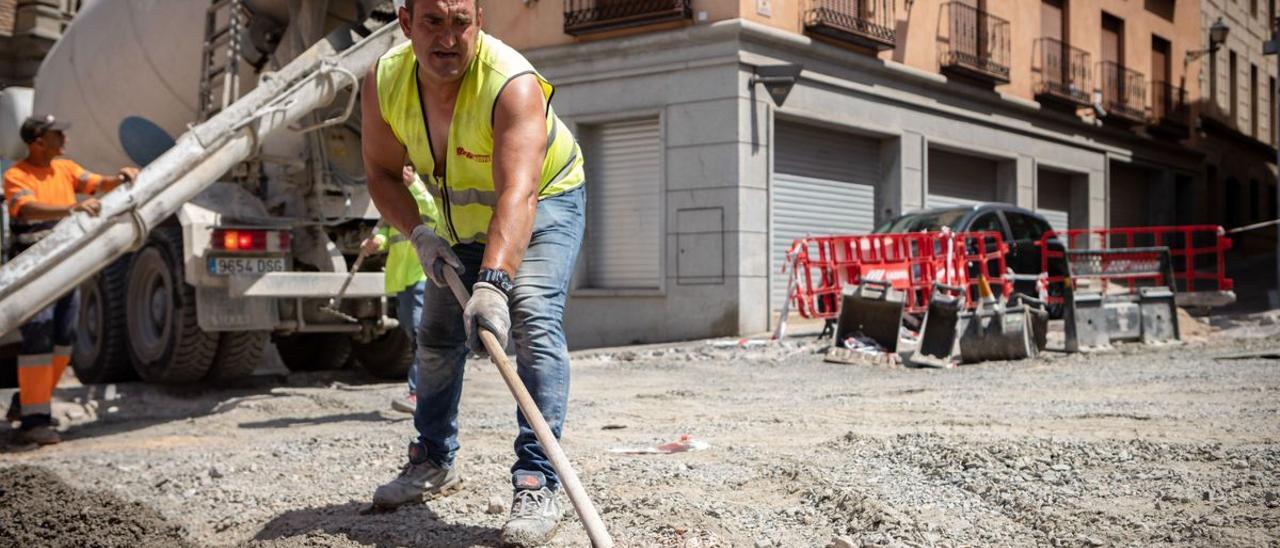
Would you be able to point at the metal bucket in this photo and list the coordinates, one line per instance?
(941, 328)
(1159, 315)
(873, 309)
(995, 332)
(1086, 322)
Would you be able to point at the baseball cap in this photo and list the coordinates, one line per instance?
(36, 126)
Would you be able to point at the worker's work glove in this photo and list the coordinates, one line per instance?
(486, 310)
(372, 244)
(434, 254)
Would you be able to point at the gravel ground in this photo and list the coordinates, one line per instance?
(1137, 446)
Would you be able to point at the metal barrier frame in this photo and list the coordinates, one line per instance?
(1186, 279)
(912, 262)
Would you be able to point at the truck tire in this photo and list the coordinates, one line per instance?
(166, 344)
(239, 353)
(314, 351)
(101, 352)
(387, 357)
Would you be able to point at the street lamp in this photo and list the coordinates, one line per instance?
(1217, 36)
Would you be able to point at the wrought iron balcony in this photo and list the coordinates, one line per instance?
(1170, 113)
(867, 23)
(977, 44)
(1063, 73)
(1124, 93)
(590, 16)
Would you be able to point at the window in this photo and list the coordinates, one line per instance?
(1024, 227)
(624, 234)
(1213, 80)
(1232, 92)
(1271, 103)
(1253, 101)
(989, 222)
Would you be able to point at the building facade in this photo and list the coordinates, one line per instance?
(28, 29)
(1238, 119)
(1085, 110)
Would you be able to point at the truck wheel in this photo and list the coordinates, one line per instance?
(314, 351)
(388, 357)
(101, 353)
(166, 343)
(239, 353)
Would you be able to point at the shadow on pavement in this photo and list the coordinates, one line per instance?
(369, 416)
(88, 411)
(409, 526)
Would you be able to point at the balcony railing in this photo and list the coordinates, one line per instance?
(1064, 73)
(588, 16)
(868, 23)
(1169, 109)
(1124, 92)
(977, 44)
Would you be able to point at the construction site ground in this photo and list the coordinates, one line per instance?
(1136, 446)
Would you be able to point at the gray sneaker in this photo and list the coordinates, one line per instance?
(420, 480)
(535, 511)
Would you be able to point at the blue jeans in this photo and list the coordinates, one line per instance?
(542, 357)
(409, 312)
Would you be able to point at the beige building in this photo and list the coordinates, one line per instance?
(1238, 110)
(28, 29)
(1085, 110)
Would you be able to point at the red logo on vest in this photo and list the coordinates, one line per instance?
(482, 158)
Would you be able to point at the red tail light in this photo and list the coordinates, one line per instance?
(235, 239)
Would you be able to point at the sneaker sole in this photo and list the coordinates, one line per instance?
(401, 407)
(551, 535)
(424, 498)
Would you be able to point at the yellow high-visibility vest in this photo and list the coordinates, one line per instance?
(466, 196)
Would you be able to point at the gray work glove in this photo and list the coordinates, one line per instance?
(434, 253)
(486, 310)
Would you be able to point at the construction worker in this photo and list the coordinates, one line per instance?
(41, 190)
(475, 119)
(404, 277)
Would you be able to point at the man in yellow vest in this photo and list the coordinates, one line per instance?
(476, 121)
(404, 278)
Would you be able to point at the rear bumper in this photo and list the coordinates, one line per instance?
(301, 285)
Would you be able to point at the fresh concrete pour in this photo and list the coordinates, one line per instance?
(1137, 446)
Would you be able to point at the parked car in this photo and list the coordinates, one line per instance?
(1020, 228)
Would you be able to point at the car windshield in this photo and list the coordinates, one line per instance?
(924, 221)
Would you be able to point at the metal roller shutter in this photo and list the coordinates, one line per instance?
(1053, 199)
(623, 239)
(959, 180)
(824, 182)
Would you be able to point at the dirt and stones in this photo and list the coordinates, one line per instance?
(38, 509)
(1136, 446)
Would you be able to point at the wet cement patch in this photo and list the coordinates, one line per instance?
(38, 509)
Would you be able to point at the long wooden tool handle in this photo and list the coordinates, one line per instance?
(355, 267)
(568, 478)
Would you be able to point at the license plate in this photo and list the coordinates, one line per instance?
(226, 266)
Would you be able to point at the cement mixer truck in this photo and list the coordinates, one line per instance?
(180, 288)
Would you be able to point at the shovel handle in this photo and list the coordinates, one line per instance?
(568, 478)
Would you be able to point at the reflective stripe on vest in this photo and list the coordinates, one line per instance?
(466, 195)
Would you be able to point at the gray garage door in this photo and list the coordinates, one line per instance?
(1053, 198)
(824, 182)
(959, 180)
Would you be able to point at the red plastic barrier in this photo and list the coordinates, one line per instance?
(912, 262)
(1198, 252)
